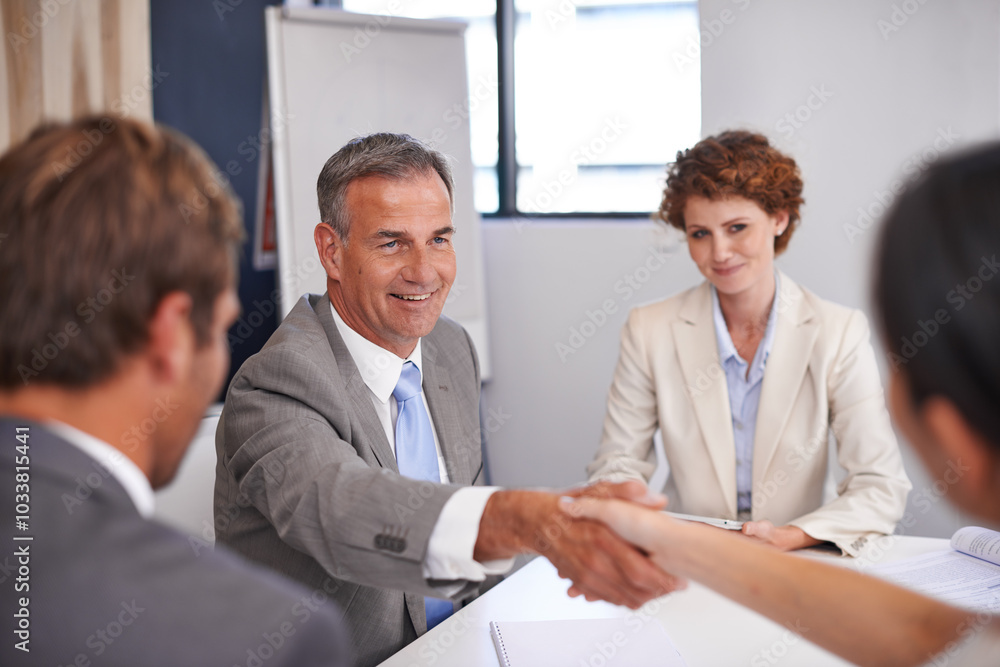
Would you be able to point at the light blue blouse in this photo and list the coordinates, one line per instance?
(744, 392)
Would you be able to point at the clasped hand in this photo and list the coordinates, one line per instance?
(601, 565)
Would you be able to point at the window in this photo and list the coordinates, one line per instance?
(605, 92)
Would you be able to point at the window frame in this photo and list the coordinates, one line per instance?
(507, 165)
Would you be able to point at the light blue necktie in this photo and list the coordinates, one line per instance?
(416, 455)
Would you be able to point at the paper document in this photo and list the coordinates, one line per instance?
(632, 641)
(968, 577)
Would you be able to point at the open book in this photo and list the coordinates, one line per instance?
(967, 575)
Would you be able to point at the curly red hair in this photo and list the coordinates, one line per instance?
(736, 163)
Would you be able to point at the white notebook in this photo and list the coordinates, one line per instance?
(634, 641)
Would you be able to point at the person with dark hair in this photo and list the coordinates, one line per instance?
(937, 259)
(366, 403)
(746, 374)
(118, 266)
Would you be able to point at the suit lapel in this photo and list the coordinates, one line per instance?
(705, 382)
(356, 391)
(416, 611)
(796, 330)
(444, 410)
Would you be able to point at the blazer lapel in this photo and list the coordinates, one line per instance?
(445, 412)
(795, 334)
(356, 390)
(705, 381)
(417, 612)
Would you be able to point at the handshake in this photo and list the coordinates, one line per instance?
(601, 563)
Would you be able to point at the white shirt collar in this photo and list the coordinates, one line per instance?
(114, 461)
(379, 367)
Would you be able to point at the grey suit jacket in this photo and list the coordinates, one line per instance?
(105, 584)
(306, 482)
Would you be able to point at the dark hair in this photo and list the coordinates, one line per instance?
(734, 164)
(100, 219)
(392, 156)
(938, 286)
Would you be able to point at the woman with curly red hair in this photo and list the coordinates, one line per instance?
(747, 374)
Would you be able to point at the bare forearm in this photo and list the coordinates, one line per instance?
(860, 618)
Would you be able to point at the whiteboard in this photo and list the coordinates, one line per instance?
(335, 75)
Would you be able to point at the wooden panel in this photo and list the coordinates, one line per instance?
(66, 58)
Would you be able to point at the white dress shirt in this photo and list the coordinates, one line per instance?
(110, 462)
(453, 540)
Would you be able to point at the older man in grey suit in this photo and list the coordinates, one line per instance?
(330, 468)
(114, 305)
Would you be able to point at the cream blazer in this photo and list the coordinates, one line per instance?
(820, 376)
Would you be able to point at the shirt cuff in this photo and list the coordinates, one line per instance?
(453, 540)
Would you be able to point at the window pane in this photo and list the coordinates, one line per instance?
(481, 54)
(606, 93)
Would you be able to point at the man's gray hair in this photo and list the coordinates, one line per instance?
(391, 156)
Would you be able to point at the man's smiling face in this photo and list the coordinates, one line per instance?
(389, 282)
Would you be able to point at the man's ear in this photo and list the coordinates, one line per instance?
(171, 338)
(330, 248)
(965, 449)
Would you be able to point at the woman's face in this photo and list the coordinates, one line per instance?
(732, 241)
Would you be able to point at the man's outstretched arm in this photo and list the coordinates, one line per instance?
(600, 564)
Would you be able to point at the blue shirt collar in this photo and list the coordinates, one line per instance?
(727, 350)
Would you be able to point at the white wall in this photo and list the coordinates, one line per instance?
(186, 503)
(886, 100)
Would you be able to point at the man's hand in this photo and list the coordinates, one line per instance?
(599, 563)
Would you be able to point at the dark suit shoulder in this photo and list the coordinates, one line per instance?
(118, 589)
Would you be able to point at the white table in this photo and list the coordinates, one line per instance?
(708, 629)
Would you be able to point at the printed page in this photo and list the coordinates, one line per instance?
(979, 542)
(949, 576)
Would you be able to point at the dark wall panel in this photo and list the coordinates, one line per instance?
(214, 54)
